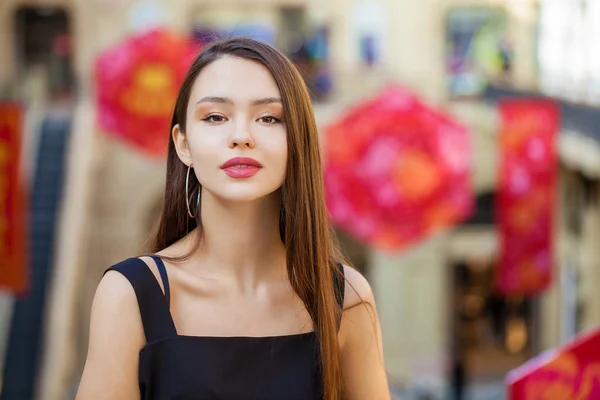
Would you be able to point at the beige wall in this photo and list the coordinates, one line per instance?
(590, 264)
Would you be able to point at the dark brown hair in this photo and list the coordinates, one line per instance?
(311, 247)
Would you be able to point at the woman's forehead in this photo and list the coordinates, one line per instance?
(235, 79)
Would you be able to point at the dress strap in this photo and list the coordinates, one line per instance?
(154, 309)
(162, 270)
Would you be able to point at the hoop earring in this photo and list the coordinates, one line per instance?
(282, 216)
(283, 198)
(187, 196)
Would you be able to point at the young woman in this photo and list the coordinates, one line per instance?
(244, 296)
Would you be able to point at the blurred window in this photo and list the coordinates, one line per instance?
(43, 42)
(568, 52)
(477, 49)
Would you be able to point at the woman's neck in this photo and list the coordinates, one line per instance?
(241, 241)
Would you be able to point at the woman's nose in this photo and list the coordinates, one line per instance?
(242, 136)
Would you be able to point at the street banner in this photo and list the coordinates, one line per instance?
(13, 266)
(526, 196)
(571, 372)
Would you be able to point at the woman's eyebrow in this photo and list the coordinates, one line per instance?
(266, 100)
(213, 99)
(225, 100)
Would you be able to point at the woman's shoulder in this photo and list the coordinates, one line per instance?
(116, 336)
(119, 281)
(121, 288)
(115, 302)
(358, 290)
(114, 287)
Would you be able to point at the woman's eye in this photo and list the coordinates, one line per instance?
(214, 118)
(268, 119)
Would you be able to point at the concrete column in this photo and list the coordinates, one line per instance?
(550, 300)
(590, 260)
(411, 294)
(416, 40)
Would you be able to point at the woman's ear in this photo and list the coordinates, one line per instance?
(181, 145)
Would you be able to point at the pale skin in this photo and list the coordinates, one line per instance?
(236, 283)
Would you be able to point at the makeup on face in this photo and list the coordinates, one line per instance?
(241, 167)
(215, 109)
(237, 130)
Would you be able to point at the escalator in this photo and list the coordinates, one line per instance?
(26, 330)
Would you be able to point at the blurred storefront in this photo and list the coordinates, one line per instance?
(442, 324)
(551, 57)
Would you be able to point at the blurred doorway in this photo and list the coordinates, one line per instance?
(489, 334)
(43, 50)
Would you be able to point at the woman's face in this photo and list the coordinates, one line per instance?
(235, 131)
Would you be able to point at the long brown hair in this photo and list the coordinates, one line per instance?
(311, 247)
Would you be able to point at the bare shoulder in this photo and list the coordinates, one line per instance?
(115, 292)
(115, 302)
(116, 337)
(361, 353)
(358, 290)
(113, 288)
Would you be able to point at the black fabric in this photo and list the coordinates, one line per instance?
(164, 277)
(173, 366)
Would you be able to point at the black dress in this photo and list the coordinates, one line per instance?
(173, 366)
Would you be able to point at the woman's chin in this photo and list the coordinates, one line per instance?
(241, 196)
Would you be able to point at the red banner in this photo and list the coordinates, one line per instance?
(13, 268)
(569, 373)
(137, 83)
(526, 197)
(397, 171)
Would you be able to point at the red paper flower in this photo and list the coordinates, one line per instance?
(137, 83)
(397, 171)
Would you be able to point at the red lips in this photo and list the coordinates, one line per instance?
(241, 167)
(241, 161)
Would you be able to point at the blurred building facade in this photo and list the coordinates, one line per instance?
(440, 321)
